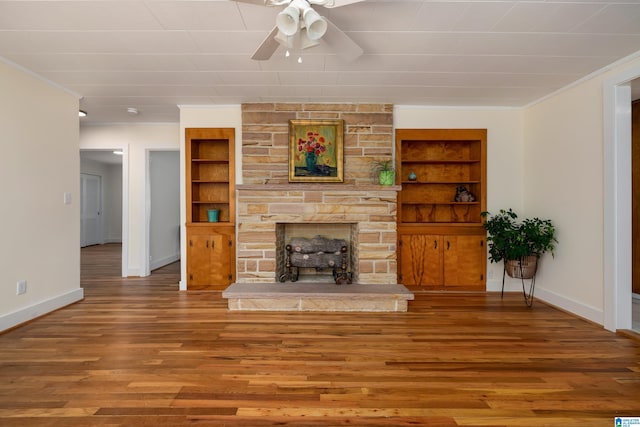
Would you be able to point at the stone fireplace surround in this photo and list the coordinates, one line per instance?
(266, 199)
(371, 210)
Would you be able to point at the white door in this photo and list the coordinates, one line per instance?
(90, 207)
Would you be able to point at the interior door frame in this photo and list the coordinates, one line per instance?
(145, 238)
(125, 198)
(617, 310)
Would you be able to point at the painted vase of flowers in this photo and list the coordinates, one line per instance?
(312, 147)
(310, 159)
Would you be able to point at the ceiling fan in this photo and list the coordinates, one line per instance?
(300, 26)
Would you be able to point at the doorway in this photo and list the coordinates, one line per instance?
(618, 261)
(163, 208)
(101, 200)
(90, 207)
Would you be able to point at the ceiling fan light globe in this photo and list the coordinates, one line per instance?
(315, 24)
(288, 21)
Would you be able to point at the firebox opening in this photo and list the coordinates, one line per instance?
(285, 232)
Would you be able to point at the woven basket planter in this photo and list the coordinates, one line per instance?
(523, 268)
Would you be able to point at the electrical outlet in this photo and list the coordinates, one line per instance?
(21, 287)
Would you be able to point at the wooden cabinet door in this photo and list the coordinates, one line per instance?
(209, 261)
(421, 259)
(464, 261)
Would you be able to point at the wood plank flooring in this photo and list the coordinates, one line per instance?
(137, 352)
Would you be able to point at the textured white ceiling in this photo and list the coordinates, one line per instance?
(157, 54)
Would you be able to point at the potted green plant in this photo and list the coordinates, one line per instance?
(386, 172)
(518, 243)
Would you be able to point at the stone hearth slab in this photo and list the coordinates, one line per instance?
(316, 297)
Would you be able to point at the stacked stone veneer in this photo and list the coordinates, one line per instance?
(266, 198)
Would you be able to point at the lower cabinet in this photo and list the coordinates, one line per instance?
(440, 261)
(210, 257)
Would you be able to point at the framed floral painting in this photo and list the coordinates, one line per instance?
(316, 150)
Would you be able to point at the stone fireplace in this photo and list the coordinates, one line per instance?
(267, 201)
(367, 211)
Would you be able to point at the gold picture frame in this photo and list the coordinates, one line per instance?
(316, 150)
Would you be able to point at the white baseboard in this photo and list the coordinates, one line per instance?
(182, 286)
(579, 309)
(117, 240)
(593, 314)
(11, 320)
(164, 261)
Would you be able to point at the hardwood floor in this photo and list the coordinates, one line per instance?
(137, 352)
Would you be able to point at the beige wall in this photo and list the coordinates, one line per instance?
(39, 163)
(564, 179)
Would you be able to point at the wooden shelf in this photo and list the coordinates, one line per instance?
(441, 242)
(440, 182)
(210, 184)
(210, 173)
(443, 161)
(443, 203)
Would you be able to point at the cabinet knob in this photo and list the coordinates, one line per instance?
(435, 244)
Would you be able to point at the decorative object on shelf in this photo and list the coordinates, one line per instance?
(519, 244)
(464, 195)
(412, 176)
(316, 150)
(386, 172)
(212, 215)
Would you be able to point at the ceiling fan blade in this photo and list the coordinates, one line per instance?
(341, 43)
(334, 3)
(325, 3)
(265, 2)
(257, 2)
(268, 46)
